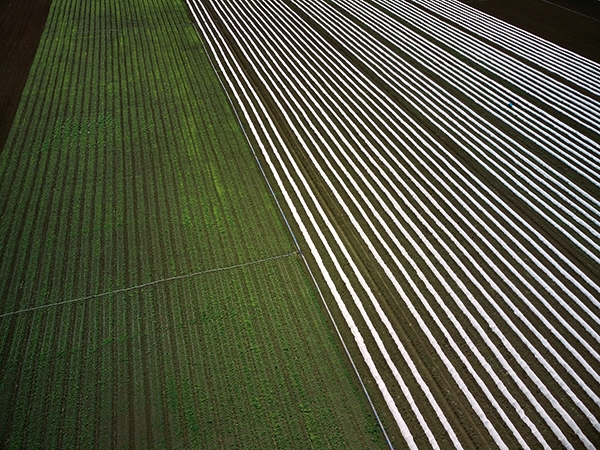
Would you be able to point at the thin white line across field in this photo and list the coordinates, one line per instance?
(150, 283)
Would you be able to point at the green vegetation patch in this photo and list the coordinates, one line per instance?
(125, 166)
(241, 358)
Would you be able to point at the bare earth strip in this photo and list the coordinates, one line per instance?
(579, 21)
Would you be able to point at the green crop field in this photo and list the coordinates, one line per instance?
(150, 293)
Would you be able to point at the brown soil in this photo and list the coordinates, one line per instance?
(21, 25)
(572, 24)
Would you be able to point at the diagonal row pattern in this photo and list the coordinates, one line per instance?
(457, 234)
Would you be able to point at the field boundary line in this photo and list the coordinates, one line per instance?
(151, 283)
(299, 251)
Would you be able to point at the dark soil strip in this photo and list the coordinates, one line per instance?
(21, 26)
(572, 24)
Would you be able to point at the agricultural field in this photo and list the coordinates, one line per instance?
(223, 223)
(441, 170)
(151, 294)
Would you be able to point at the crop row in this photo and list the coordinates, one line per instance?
(564, 99)
(95, 177)
(500, 156)
(229, 359)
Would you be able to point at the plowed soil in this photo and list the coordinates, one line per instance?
(21, 25)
